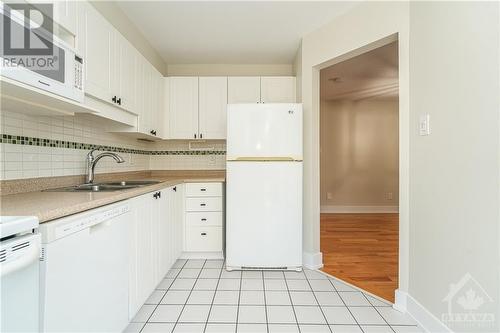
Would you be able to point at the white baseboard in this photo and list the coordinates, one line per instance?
(202, 255)
(312, 260)
(426, 320)
(359, 209)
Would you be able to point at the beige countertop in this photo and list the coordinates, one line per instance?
(52, 205)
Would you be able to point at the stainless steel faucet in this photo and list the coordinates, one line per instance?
(92, 161)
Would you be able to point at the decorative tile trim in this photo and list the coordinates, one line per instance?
(30, 141)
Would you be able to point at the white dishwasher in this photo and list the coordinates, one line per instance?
(84, 271)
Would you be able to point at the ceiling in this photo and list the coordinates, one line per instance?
(373, 74)
(236, 32)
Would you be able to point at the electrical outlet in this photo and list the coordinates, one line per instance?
(389, 196)
(212, 160)
(329, 195)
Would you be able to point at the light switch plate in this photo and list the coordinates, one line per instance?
(424, 126)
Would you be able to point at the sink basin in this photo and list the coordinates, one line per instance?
(104, 187)
(132, 183)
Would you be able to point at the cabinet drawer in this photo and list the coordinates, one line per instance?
(207, 239)
(203, 189)
(208, 204)
(204, 219)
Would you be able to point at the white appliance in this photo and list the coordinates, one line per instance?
(19, 274)
(84, 271)
(62, 75)
(264, 186)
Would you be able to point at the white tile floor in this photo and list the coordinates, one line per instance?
(200, 296)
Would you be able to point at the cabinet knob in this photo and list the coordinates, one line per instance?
(119, 101)
(155, 195)
(203, 233)
(175, 189)
(204, 220)
(113, 99)
(203, 205)
(195, 135)
(201, 135)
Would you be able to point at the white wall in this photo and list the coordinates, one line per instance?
(366, 24)
(455, 172)
(359, 155)
(454, 180)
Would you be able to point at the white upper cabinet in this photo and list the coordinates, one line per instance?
(243, 89)
(183, 108)
(213, 105)
(96, 43)
(157, 108)
(65, 14)
(143, 89)
(124, 77)
(277, 89)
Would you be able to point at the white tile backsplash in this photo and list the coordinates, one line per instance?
(23, 161)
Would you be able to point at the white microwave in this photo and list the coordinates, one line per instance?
(60, 73)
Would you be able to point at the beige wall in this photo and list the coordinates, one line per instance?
(230, 69)
(359, 153)
(120, 21)
(454, 180)
(453, 63)
(367, 26)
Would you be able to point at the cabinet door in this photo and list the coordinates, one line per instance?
(243, 89)
(178, 220)
(183, 107)
(65, 13)
(157, 102)
(124, 78)
(277, 89)
(164, 232)
(144, 88)
(213, 106)
(142, 278)
(96, 46)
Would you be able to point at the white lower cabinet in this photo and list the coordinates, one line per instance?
(155, 242)
(203, 222)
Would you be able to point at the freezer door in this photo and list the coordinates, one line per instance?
(264, 214)
(264, 130)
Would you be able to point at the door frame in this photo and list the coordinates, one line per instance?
(404, 145)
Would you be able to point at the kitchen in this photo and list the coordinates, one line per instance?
(162, 178)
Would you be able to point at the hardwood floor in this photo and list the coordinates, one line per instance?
(362, 249)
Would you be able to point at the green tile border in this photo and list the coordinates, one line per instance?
(30, 141)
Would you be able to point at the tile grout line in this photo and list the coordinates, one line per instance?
(189, 295)
(157, 305)
(319, 306)
(291, 302)
(340, 296)
(239, 300)
(265, 304)
(213, 298)
(375, 308)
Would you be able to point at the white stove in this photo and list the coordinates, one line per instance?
(19, 273)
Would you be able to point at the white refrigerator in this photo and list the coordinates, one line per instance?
(264, 186)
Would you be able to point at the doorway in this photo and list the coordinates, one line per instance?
(359, 170)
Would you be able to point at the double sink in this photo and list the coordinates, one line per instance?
(105, 187)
